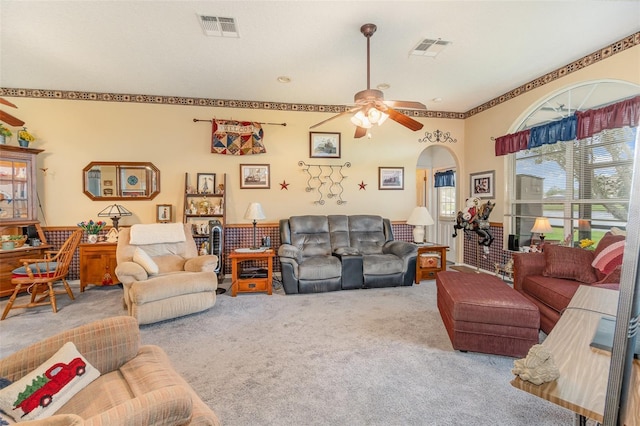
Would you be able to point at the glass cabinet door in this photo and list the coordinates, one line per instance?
(17, 186)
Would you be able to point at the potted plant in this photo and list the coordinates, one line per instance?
(24, 137)
(4, 134)
(93, 229)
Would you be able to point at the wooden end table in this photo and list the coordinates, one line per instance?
(425, 271)
(98, 264)
(252, 284)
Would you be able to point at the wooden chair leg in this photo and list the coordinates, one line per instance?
(52, 298)
(68, 289)
(11, 300)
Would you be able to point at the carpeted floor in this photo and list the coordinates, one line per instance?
(358, 357)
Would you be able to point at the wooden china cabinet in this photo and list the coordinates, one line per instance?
(18, 209)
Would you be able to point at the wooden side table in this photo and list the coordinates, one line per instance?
(251, 284)
(98, 264)
(428, 269)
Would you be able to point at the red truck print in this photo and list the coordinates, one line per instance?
(43, 388)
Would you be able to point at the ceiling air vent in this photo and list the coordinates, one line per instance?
(429, 47)
(217, 26)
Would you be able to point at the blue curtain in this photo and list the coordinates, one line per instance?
(550, 133)
(446, 178)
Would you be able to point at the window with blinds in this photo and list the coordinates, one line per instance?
(582, 186)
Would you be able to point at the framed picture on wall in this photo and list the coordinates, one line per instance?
(324, 145)
(206, 183)
(390, 177)
(164, 213)
(483, 184)
(255, 176)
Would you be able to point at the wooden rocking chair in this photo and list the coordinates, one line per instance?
(42, 274)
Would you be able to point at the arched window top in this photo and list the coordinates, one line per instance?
(579, 97)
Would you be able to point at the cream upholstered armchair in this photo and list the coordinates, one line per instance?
(162, 275)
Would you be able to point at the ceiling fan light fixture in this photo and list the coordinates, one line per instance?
(376, 116)
(361, 120)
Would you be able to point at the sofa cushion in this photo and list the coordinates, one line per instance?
(607, 239)
(311, 235)
(609, 258)
(143, 259)
(42, 392)
(381, 264)
(553, 292)
(569, 262)
(320, 268)
(366, 233)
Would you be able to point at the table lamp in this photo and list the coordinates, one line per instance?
(420, 218)
(115, 212)
(254, 212)
(541, 226)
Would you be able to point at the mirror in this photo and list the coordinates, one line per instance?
(120, 181)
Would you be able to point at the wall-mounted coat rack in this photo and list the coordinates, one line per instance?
(326, 179)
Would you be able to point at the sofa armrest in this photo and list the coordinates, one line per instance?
(107, 344)
(129, 272)
(525, 264)
(401, 249)
(206, 263)
(165, 406)
(290, 251)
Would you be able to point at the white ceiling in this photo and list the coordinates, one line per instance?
(159, 48)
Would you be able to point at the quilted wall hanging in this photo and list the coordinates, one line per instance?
(237, 137)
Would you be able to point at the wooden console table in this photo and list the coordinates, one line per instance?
(98, 264)
(584, 372)
(424, 272)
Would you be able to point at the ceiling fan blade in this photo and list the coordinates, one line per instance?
(10, 119)
(405, 104)
(6, 102)
(406, 121)
(360, 132)
(349, 111)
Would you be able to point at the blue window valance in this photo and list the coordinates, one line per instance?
(446, 178)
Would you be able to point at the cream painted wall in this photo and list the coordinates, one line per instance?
(74, 133)
(479, 153)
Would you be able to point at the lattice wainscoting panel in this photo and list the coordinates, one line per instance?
(239, 236)
(474, 254)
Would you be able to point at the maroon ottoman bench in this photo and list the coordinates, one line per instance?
(483, 314)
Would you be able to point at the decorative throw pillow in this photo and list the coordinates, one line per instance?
(609, 258)
(569, 262)
(143, 259)
(42, 392)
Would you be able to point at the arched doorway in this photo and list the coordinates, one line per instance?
(441, 202)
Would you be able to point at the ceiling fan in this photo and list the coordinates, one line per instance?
(370, 107)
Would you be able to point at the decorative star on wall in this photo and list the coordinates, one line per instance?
(284, 185)
(362, 185)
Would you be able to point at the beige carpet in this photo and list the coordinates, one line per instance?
(356, 357)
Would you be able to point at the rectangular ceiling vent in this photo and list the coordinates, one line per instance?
(429, 47)
(217, 26)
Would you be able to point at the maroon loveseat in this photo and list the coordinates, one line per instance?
(550, 279)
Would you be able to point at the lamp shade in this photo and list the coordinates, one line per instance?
(542, 226)
(254, 212)
(420, 216)
(115, 212)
